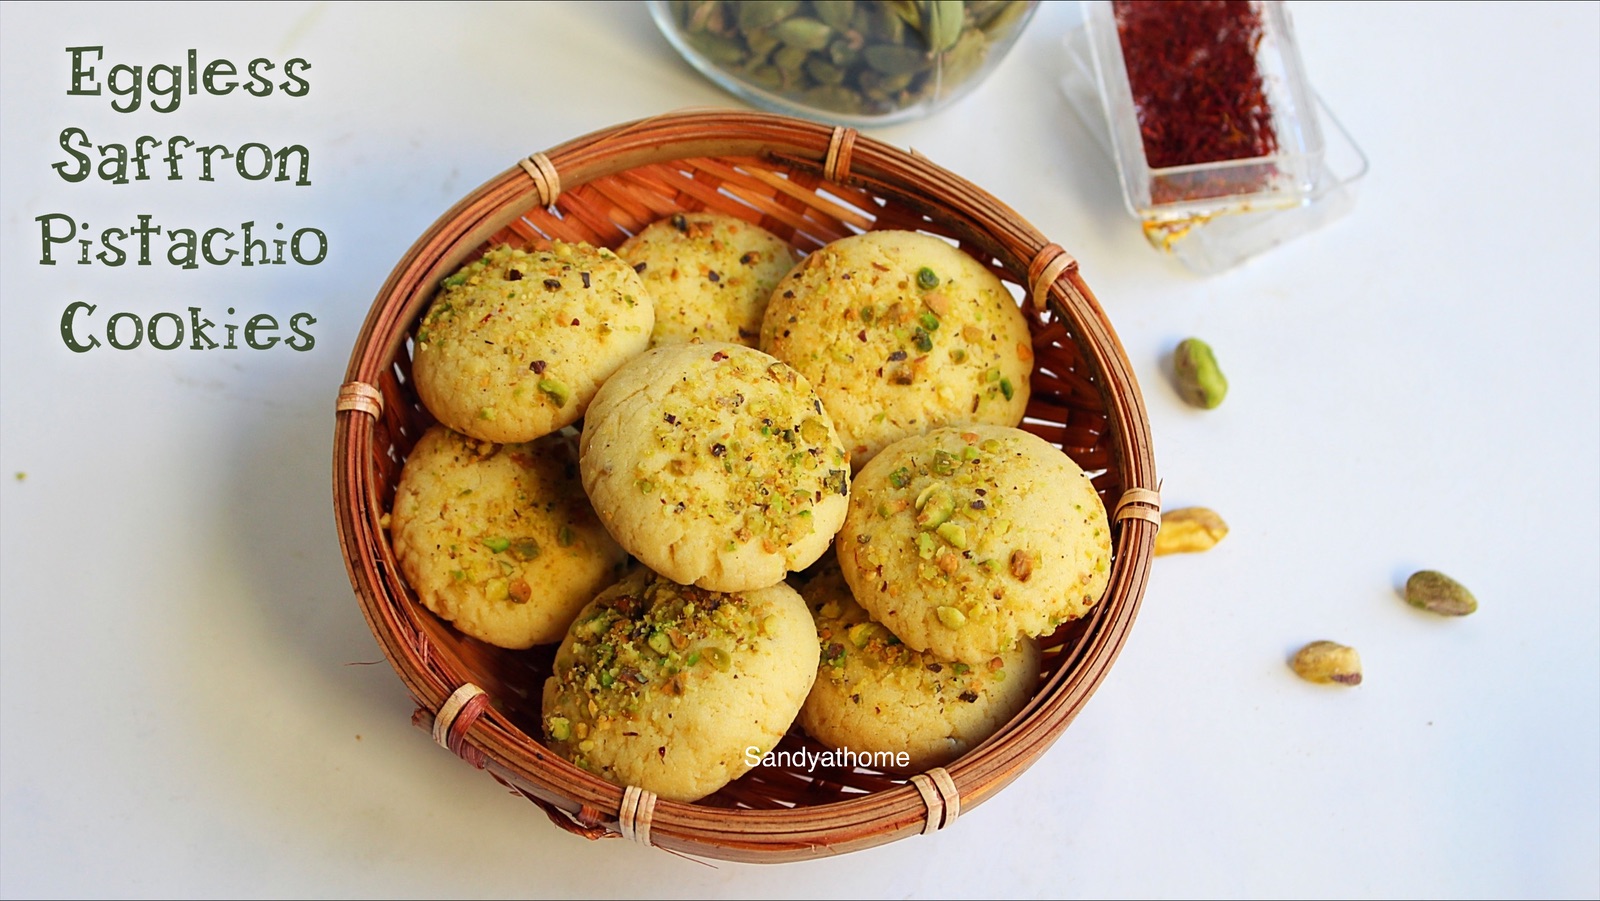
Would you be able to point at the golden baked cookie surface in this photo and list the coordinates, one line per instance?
(900, 332)
(715, 464)
(676, 689)
(874, 694)
(965, 539)
(709, 275)
(515, 345)
(500, 539)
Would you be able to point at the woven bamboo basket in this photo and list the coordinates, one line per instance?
(810, 184)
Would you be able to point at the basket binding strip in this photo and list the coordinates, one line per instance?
(809, 184)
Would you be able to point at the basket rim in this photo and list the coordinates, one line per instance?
(762, 835)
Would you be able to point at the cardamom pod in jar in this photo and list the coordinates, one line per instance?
(847, 62)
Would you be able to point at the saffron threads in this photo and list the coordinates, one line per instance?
(1197, 90)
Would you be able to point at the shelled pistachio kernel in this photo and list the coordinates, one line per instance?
(1189, 530)
(1328, 662)
(1436, 592)
(1200, 381)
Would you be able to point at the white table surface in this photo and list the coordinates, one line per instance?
(187, 712)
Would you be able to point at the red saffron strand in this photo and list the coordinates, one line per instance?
(1197, 90)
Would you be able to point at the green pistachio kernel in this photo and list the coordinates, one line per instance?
(1436, 592)
(525, 548)
(814, 430)
(927, 278)
(659, 642)
(1327, 662)
(560, 729)
(860, 634)
(951, 617)
(938, 504)
(557, 391)
(953, 533)
(1200, 381)
(719, 658)
(497, 543)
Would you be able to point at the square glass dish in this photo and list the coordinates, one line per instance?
(1217, 137)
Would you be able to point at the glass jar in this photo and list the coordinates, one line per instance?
(847, 62)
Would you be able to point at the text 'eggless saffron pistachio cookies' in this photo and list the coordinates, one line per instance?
(679, 690)
(515, 344)
(715, 465)
(900, 332)
(967, 539)
(500, 539)
(709, 275)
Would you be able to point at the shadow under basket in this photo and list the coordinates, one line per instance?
(809, 184)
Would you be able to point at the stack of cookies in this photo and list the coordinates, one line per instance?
(647, 454)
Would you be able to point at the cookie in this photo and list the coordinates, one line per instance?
(910, 709)
(968, 538)
(500, 539)
(679, 690)
(715, 465)
(709, 275)
(900, 333)
(514, 346)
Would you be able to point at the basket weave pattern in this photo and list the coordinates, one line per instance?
(809, 184)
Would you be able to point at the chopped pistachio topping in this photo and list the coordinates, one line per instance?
(952, 533)
(557, 391)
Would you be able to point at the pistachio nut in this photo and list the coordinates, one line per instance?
(1189, 530)
(1436, 592)
(1200, 381)
(1327, 663)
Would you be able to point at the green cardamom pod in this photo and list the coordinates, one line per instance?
(1001, 23)
(894, 59)
(964, 60)
(808, 34)
(824, 72)
(942, 24)
(753, 16)
(836, 13)
(720, 50)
